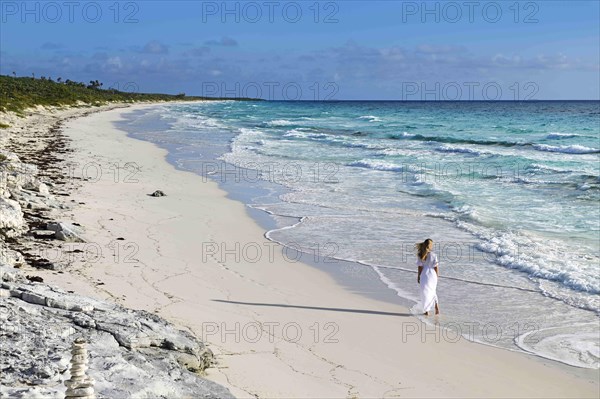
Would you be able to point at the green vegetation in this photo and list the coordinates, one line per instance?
(4, 126)
(19, 93)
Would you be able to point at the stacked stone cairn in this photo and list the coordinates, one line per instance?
(80, 386)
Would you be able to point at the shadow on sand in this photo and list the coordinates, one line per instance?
(282, 305)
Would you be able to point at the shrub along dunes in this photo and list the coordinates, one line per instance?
(20, 93)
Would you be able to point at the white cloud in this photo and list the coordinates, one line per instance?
(155, 47)
(224, 41)
(114, 63)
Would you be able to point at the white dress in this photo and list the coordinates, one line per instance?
(429, 279)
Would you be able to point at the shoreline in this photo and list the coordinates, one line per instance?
(164, 236)
(355, 276)
(265, 220)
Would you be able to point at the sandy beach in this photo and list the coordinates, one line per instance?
(277, 328)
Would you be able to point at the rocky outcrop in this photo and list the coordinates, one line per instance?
(66, 231)
(25, 205)
(132, 353)
(20, 192)
(11, 218)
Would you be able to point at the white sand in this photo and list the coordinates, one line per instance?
(364, 356)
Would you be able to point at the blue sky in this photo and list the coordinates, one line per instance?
(405, 50)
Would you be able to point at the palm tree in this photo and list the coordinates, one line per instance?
(94, 84)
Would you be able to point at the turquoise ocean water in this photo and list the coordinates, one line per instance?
(508, 191)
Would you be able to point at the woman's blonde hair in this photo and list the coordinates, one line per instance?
(423, 248)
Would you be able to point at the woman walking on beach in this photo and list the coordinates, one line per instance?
(427, 278)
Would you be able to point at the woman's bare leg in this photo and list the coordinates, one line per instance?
(437, 308)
